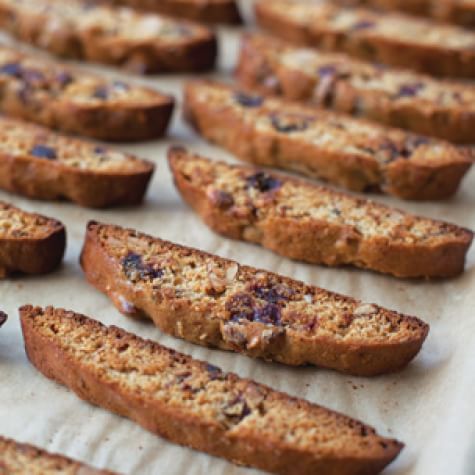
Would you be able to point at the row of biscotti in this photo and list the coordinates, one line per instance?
(312, 223)
(189, 402)
(382, 37)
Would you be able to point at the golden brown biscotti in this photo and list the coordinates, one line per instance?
(314, 224)
(216, 302)
(399, 98)
(352, 153)
(389, 38)
(41, 164)
(195, 404)
(59, 97)
(3, 318)
(29, 243)
(24, 459)
(460, 12)
(202, 11)
(140, 42)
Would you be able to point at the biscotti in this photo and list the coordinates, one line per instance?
(202, 11)
(140, 42)
(461, 12)
(29, 243)
(24, 459)
(216, 302)
(59, 97)
(3, 318)
(381, 37)
(41, 164)
(195, 404)
(398, 98)
(351, 153)
(314, 224)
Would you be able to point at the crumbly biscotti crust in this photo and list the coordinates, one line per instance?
(195, 404)
(216, 302)
(140, 42)
(41, 164)
(382, 37)
(353, 153)
(29, 243)
(62, 98)
(314, 224)
(461, 12)
(24, 459)
(207, 11)
(398, 98)
(3, 318)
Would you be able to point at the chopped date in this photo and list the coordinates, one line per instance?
(243, 307)
(135, 269)
(263, 182)
(363, 25)
(410, 90)
(11, 69)
(248, 100)
(43, 151)
(272, 294)
(288, 124)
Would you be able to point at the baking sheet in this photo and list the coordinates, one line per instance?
(429, 406)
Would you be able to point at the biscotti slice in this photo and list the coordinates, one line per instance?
(395, 97)
(140, 42)
(195, 404)
(24, 459)
(202, 11)
(29, 243)
(216, 302)
(388, 38)
(59, 97)
(314, 224)
(41, 164)
(352, 153)
(3, 318)
(461, 12)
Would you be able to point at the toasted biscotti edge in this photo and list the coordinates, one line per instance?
(33, 255)
(419, 57)
(161, 419)
(37, 454)
(299, 240)
(40, 179)
(183, 320)
(404, 179)
(3, 318)
(255, 70)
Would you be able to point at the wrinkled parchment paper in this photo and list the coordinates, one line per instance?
(429, 406)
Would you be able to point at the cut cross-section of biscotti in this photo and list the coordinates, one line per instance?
(80, 29)
(382, 37)
(23, 459)
(41, 164)
(29, 243)
(352, 153)
(195, 404)
(216, 302)
(395, 97)
(314, 224)
(3, 318)
(460, 12)
(203, 11)
(59, 97)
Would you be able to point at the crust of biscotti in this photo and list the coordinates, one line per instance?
(33, 254)
(211, 12)
(145, 56)
(402, 178)
(182, 319)
(52, 180)
(192, 431)
(33, 454)
(3, 318)
(255, 70)
(314, 241)
(442, 10)
(436, 60)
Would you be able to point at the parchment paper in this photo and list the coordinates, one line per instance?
(429, 406)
